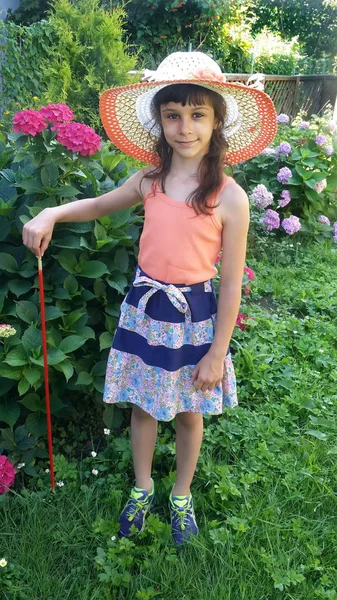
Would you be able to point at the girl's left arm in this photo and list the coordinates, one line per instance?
(235, 216)
(234, 243)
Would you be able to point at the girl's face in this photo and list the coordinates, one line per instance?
(188, 129)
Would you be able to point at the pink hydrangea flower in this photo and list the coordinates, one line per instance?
(240, 321)
(250, 273)
(320, 186)
(284, 148)
(324, 219)
(282, 118)
(291, 225)
(7, 474)
(78, 138)
(285, 198)
(271, 219)
(29, 122)
(57, 113)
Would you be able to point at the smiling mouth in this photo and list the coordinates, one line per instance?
(189, 143)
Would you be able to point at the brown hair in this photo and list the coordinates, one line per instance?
(211, 168)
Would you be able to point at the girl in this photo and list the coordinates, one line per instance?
(170, 355)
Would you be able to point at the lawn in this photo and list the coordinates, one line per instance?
(265, 486)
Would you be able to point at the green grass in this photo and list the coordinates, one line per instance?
(265, 486)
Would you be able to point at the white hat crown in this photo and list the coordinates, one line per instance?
(185, 65)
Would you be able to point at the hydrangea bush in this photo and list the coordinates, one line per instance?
(50, 159)
(292, 184)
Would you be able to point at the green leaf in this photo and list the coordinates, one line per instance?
(66, 368)
(67, 260)
(8, 263)
(17, 357)
(84, 378)
(68, 241)
(36, 424)
(94, 269)
(31, 186)
(110, 160)
(10, 372)
(32, 339)
(70, 284)
(66, 191)
(23, 386)
(19, 286)
(71, 343)
(5, 227)
(71, 318)
(122, 259)
(32, 375)
(26, 311)
(105, 340)
(52, 312)
(99, 369)
(9, 412)
(317, 434)
(55, 356)
(304, 173)
(99, 384)
(118, 282)
(120, 218)
(49, 175)
(33, 402)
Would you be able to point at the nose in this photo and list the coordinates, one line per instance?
(185, 125)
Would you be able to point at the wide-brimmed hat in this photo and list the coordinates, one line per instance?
(126, 112)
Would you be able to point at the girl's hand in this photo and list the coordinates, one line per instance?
(36, 234)
(208, 373)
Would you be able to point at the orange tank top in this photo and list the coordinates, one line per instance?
(177, 245)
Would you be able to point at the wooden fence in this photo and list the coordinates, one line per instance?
(291, 94)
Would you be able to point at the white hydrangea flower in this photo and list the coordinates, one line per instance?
(107, 431)
(60, 483)
(20, 465)
(3, 562)
(94, 471)
(94, 454)
(46, 470)
(113, 538)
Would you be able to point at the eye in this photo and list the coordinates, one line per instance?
(173, 116)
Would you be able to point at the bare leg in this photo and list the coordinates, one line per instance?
(188, 443)
(143, 441)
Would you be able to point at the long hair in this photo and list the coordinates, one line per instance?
(211, 168)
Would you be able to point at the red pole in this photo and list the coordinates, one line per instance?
(46, 379)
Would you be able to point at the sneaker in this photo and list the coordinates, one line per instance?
(135, 511)
(182, 518)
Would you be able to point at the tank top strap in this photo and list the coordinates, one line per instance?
(216, 194)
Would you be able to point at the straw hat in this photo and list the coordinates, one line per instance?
(250, 122)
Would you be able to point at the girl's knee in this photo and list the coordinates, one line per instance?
(189, 419)
(139, 413)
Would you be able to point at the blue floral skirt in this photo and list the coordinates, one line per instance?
(163, 331)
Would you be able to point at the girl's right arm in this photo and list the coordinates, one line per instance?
(37, 233)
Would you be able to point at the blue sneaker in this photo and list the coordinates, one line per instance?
(135, 511)
(182, 518)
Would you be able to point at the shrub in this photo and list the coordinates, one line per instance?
(295, 179)
(86, 271)
(273, 55)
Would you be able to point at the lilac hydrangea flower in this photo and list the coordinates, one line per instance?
(328, 150)
(282, 118)
(285, 198)
(291, 225)
(284, 147)
(271, 219)
(332, 127)
(261, 196)
(268, 151)
(323, 219)
(304, 124)
(283, 175)
(320, 186)
(320, 140)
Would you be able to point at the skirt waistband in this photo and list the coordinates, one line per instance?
(204, 286)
